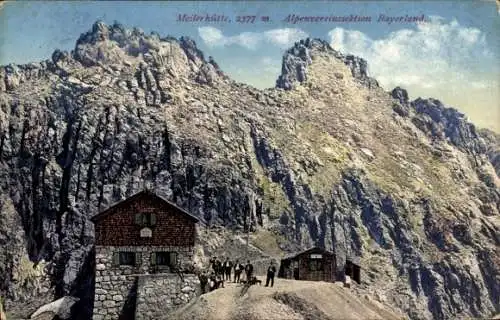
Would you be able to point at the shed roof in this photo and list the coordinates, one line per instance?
(354, 260)
(150, 193)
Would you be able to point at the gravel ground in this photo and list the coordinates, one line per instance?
(288, 299)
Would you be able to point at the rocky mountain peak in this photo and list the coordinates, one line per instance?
(297, 58)
(114, 44)
(115, 32)
(400, 94)
(447, 123)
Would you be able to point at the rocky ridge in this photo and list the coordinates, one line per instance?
(297, 58)
(327, 158)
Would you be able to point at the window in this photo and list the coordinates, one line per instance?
(126, 258)
(164, 259)
(315, 265)
(145, 219)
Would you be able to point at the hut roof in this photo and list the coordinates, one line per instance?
(354, 260)
(150, 193)
(311, 250)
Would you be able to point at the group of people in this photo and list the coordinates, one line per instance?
(222, 269)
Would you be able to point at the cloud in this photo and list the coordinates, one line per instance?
(436, 53)
(282, 38)
(270, 65)
(264, 71)
(480, 84)
(211, 36)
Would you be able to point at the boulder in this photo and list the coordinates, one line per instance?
(60, 308)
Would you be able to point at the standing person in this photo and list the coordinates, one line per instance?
(271, 271)
(218, 268)
(347, 281)
(249, 271)
(224, 266)
(213, 264)
(212, 282)
(228, 265)
(203, 282)
(219, 281)
(238, 268)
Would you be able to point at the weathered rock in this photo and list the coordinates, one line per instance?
(117, 298)
(100, 267)
(297, 58)
(109, 303)
(186, 289)
(61, 308)
(401, 95)
(448, 122)
(492, 140)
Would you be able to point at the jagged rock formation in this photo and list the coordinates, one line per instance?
(493, 150)
(327, 158)
(297, 58)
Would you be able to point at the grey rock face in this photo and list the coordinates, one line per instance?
(402, 108)
(401, 95)
(449, 123)
(296, 60)
(492, 140)
(359, 69)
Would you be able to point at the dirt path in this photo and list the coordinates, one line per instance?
(288, 299)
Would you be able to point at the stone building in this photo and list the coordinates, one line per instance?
(144, 258)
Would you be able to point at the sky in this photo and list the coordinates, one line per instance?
(453, 56)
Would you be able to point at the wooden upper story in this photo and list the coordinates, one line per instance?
(145, 219)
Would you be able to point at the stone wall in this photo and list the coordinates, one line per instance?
(115, 286)
(111, 294)
(159, 294)
(104, 259)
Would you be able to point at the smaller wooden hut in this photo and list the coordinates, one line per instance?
(353, 268)
(315, 264)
